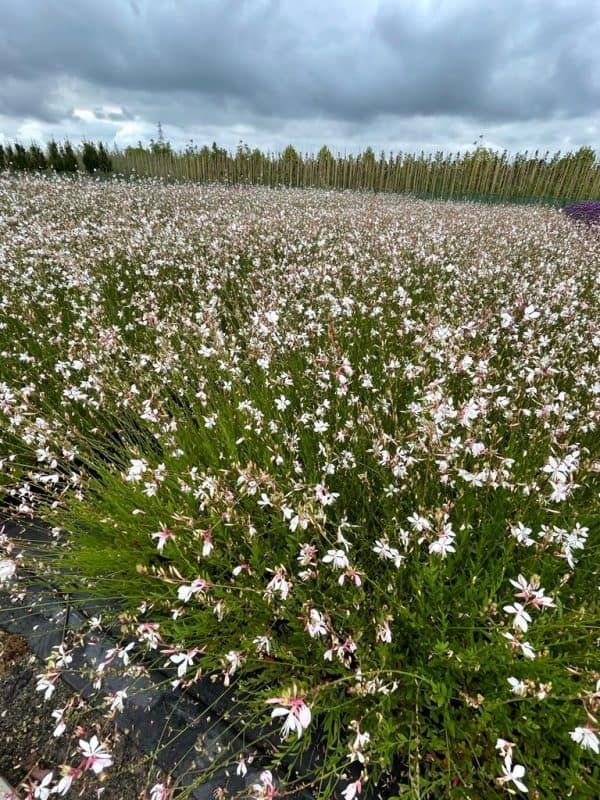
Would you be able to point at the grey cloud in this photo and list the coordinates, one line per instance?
(268, 64)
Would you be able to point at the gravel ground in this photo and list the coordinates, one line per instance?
(27, 747)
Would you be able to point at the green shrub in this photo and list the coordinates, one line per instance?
(90, 157)
(343, 451)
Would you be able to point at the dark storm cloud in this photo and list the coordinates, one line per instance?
(489, 61)
(394, 72)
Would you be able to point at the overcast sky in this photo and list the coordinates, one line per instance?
(393, 74)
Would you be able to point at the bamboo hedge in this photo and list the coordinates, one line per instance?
(481, 174)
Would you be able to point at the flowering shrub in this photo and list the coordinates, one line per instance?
(585, 211)
(339, 452)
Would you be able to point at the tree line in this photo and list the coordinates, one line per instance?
(59, 157)
(481, 173)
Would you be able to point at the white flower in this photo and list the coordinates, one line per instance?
(63, 659)
(518, 687)
(297, 715)
(352, 790)
(7, 569)
(281, 402)
(136, 470)
(521, 617)
(42, 790)
(361, 740)
(242, 769)
(264, 789)
(184, 660)
(444, 543)
(184, 593)
(504, 746)
(513, 774)
(65, 782)
(556, 469)
(45, 685)
(324, 496)
(586, 738)
(116, 703)
(234, 661)
(384, 633)
(419, 523)
(337, 558)
(97, 757)
(527, 650)
(60, 722)
(263, 644)
(162, 537)
(522, 534)
(383, 550)
(316, 625)
(278, 583)
(560, 491)
(159, 792)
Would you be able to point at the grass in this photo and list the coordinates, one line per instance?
(326, 443)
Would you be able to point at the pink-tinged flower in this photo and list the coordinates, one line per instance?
(148, 632)
(444, 543)
(42, 790)
(384, 633)
(297, 714)
(97, 758)
(308, 555)
(352, 574)
(160, 792)
(199, 586)
(515, 642)
(315, 624)
(241, 768)
(361, 740)
(504, 746)
(352, 790)
(207, 545)
(525, 587)
(512, 774)
(586, 738)
(343, 650)
(521, 617)
(162, 536)
(45, 684)
(7, 569)
(184, 660)
(540, 601)
(278, 583)
(265, 789)
(323, 495)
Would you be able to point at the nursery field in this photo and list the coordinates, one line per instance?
(339, 451)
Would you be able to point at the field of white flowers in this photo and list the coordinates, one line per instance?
(340, 450)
